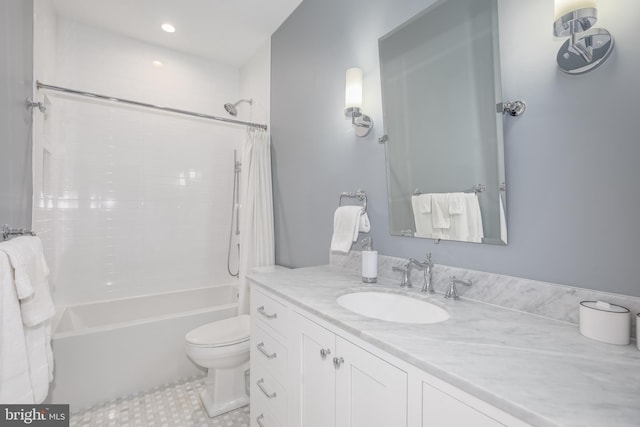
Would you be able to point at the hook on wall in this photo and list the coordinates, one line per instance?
(513, 108)
(32, 104)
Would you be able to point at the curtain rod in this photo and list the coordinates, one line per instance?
(40, 85)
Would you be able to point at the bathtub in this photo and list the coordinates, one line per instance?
(109, 349)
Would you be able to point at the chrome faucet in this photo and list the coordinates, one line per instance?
(452, 292)
(428, 275)
(426, 265)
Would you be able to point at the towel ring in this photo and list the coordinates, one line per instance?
(358, 194)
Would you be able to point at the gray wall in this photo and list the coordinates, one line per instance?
(16, 65)
(572, 161)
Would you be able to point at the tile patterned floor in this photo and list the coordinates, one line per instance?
(171, 405)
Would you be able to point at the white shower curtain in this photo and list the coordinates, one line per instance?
(256, 213)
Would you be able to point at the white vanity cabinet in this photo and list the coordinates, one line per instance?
(339, 384)
(269, 365)
(434, 403)
(307, 372)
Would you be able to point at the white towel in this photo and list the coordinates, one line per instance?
(440, 210)
(503, 221)
(36, 309)
(424, 203)
(422, 219)
(346, 223)
(467, 226)
(15, 381)
(364, 225)
(31, 271)
(456, 203)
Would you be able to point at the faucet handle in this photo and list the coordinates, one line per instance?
(452, 292)
(406, 280)
(402, 270)
(429, 257)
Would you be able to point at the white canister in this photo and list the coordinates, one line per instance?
(369, 266)
(609, 323)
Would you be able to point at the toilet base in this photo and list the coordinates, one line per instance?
(216, 408)
(225, 390)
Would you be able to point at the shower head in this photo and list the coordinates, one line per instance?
(232, 108)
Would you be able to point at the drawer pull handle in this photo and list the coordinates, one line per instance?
(264, 313)
(259, 420)
(263, 351)
(324, 352)
(337, 361)
(261, 387)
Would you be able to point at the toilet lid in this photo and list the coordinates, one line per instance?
(222, 332)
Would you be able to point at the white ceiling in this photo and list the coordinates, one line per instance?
(228, 31)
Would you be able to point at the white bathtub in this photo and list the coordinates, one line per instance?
(109, 349)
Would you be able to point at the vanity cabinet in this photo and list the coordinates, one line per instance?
(438, 404)
(269, 366)
(306, 372)
(340, 384)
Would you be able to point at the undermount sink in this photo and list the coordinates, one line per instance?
(392, 307)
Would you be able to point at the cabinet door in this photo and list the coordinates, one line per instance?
(313, 379)
(441, 410)
(369, 391)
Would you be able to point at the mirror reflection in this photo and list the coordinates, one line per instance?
(440, 75)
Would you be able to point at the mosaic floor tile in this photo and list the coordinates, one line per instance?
(170, 405)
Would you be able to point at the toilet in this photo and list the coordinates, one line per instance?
(223, 348)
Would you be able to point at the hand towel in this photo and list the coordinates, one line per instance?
(346, 222)
(456, 203)
(15, 381)
(467, 226)
(440, 210)
(422, 219)
(364, 226)
(424, 203)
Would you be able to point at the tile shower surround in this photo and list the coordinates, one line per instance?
(551, 300)
(131, 201)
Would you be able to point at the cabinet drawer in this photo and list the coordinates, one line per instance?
(270, 312)
(271, 393)
(268, 352)
(261, 416)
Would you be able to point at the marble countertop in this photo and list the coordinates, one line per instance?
(539, 370)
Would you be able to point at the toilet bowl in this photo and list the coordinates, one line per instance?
(223, 348)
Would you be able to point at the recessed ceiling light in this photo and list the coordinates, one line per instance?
(157, 64)
(168, 27)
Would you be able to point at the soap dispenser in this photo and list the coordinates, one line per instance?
(369, 261)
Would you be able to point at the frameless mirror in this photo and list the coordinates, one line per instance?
(440, 74)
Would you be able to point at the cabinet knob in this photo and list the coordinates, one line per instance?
(324, 352)
(259, 419)
(337, 361)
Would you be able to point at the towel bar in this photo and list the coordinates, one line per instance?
(358, 194)
(8, 232)
(475, 189)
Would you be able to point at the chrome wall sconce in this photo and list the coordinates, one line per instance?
(587, 47)
(362, 123)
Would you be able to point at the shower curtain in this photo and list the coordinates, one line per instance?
(256, 213)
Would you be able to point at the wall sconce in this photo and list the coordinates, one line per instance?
(584, 50)
(362, 123)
